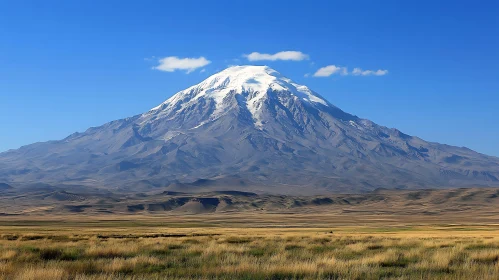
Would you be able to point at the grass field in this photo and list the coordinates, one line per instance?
(115, 249)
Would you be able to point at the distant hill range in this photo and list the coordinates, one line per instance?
(422, 204)
(247, 128)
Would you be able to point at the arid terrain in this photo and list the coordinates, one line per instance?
(444, 234)
(195, 249)
(446, 206)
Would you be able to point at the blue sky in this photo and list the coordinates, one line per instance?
(69, 65)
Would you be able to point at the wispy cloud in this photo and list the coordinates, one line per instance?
(360, 72)
(285, 55)
(338, 70)
(331, 70)
(173, 63)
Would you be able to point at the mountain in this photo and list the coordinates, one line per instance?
(4, 186)
(247, 128)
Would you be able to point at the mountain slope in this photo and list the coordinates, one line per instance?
(247, 128)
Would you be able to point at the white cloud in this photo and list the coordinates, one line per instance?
(331, 70)
(172, 63)
(338, 70)
(360, 72)
(285, 55)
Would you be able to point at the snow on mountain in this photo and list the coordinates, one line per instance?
(247, 128)
(253, 82)
(256, 80)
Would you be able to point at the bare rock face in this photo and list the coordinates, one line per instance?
(247, 128)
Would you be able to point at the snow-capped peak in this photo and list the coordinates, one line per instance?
(249, 79)
(252, 83)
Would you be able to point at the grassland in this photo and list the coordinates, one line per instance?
(116, 249)
(425, 234)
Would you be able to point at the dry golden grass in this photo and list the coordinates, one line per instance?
(36, 273)
(130, 252)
